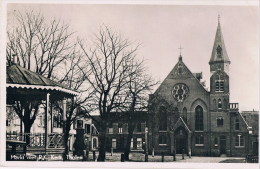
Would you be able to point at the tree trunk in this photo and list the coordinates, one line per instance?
(131, 127)
(102, 143)
(66, 140)
(27, 131)
(27, 126)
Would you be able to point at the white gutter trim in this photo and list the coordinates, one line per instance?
(57, 88)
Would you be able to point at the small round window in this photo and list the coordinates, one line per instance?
(180, 92)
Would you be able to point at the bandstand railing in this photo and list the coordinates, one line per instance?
(55, 140)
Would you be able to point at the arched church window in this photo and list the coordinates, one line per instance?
(199, 118)
(162, 119)
(184, 114)
(219, 104)
(162, 140)
(214, 104)
(220, 122)
(225, 104)
(219, 82)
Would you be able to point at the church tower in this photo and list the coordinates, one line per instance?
(219, 72)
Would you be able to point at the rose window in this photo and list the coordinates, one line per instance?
(180, 92)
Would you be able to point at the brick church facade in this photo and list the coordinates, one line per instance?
(185, 117)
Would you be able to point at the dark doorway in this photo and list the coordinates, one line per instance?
(255, 148)
(181, 140)
(222, 143)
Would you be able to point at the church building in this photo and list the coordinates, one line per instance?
(185, 117)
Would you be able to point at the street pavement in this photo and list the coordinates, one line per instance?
(140, 157)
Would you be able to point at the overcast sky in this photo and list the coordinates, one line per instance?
(160, 29)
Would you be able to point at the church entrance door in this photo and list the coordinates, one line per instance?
(181, 142)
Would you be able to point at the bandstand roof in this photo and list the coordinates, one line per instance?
(18, 77)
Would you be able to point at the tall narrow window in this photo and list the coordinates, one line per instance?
(80, 124)
(87, 128)
(110, 128)
(120, 128)
(94, 143)
(139, 143)
(225, 104)
(216, 141)
(219, 82)
(220, 122)
(237, 124)
(199, 118)
(41, 120)
(240, 141)
(219, 104)
(199, 140)
(138, 127)
(162, 119)
(184, 114)
(214, 104)
(114, 143)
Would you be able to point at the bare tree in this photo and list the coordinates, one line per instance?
(39, 45)
(74, 77)
(139, 85)
(109, 62)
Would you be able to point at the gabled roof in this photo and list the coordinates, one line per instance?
(219, 45)
(19, 77)
(181, 122)
(185, 74)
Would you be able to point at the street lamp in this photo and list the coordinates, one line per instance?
(250, 132)
(146, 144)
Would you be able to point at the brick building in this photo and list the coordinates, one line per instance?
(185, 116)
(117, 131)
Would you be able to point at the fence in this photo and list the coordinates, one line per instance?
(252, 159)
(55, 140)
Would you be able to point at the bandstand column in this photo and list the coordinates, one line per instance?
(46, 120)
(64, 115)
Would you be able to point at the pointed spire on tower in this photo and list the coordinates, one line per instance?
(218, 19)
(219, 53)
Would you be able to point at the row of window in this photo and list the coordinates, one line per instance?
(199, 140)
(220, 123)
(139, 143)
(123, 127)
(198, 118)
